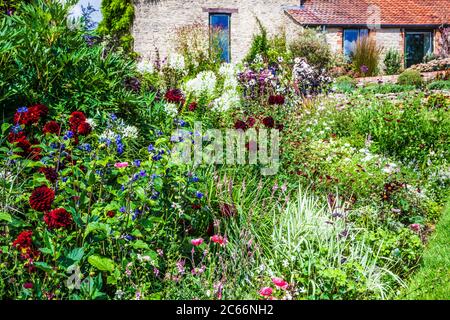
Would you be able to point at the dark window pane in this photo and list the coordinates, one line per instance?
(220, 24)
(350, 38)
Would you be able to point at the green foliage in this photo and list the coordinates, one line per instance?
(44, 60)
(311, 45)
(392, 62)
(387, 88)
(438, 101)
(439, 85)
(260, 44)
(344, 84)
(117, 19)
(366, 57)
(410, 77)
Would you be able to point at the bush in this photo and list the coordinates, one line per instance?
(392, 62)
(439, 85)
(387, 88)
(366, 57)
(344, 84)
(311, 45)
(260, 44)
(410, 77)
(67, 70)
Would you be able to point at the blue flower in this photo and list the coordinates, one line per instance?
(16, 129)
(128, 237)
(122, 188)
(155, 195)
(113, 117)
(22, 110)
(119, 144)
(64, 179)
(151, 148)
(199, 195)
(142, 173)
(85, 147)
(195, 179)
(137, 163)
(123, 209)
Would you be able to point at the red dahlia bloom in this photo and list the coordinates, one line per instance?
(51, 127)
(111, 214)
(174, 96)
(192, 106)
(33, 114)
(276, 99)
(50, 174)
(251, 122)
(84, 128)
(76, 118)
(41, 198)
(269, 122)
(23, 240)
(13, 137)
(240, 125)
(58, 218)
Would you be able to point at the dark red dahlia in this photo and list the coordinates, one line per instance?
(251, 122)
(192, 106)
(84, 128)
(39, 109)
(28, 285)
(279, 126)
(111, 213)
(276, 99)
(58, 218)
(23, 240)
(13, 137)
(52, 127)
(50, 174)
(240, 125)
(269, 122)
(41, 198)
(174, 96)
(75, 119)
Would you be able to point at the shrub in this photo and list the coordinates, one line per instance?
(312, 46)
(344, 84)
(387, 88)
(67, 69)
(366, 57)
(260, 44)
(392, 62)
(439, 85)
(117, 18)
(410, 77)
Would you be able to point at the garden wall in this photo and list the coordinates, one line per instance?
(155, 23)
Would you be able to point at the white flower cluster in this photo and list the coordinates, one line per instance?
(120, 128)
(203, 84)
(171, 109)
(229, 74)
(228, 100)
(145, 67)
(176, 61)
(308, 78)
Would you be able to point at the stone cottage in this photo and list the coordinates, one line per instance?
(413, 27)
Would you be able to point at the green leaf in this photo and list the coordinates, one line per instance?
(76, 254)
(43, 266)
(97, 226)
(101, 263)
(139, 244)
(5, 217)
(5, 126)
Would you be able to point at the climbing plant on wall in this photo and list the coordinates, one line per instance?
(117, 20)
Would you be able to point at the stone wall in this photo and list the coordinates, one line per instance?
(155, 24)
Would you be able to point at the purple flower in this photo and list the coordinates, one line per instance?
(137, 163)
(122, 209)
(151, 148)
(199, 195)
(364, 69)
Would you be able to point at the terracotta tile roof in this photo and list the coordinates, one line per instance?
(361, 12)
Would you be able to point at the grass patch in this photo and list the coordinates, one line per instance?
(431, 282)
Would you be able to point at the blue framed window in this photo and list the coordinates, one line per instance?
(220, 26)
(351, 36)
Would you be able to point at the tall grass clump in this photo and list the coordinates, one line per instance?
(366, 57)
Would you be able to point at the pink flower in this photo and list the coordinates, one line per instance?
(266, 291)
(121, 165)
(280, 283)
(197, 242)
(415, 227)
(219, 239)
